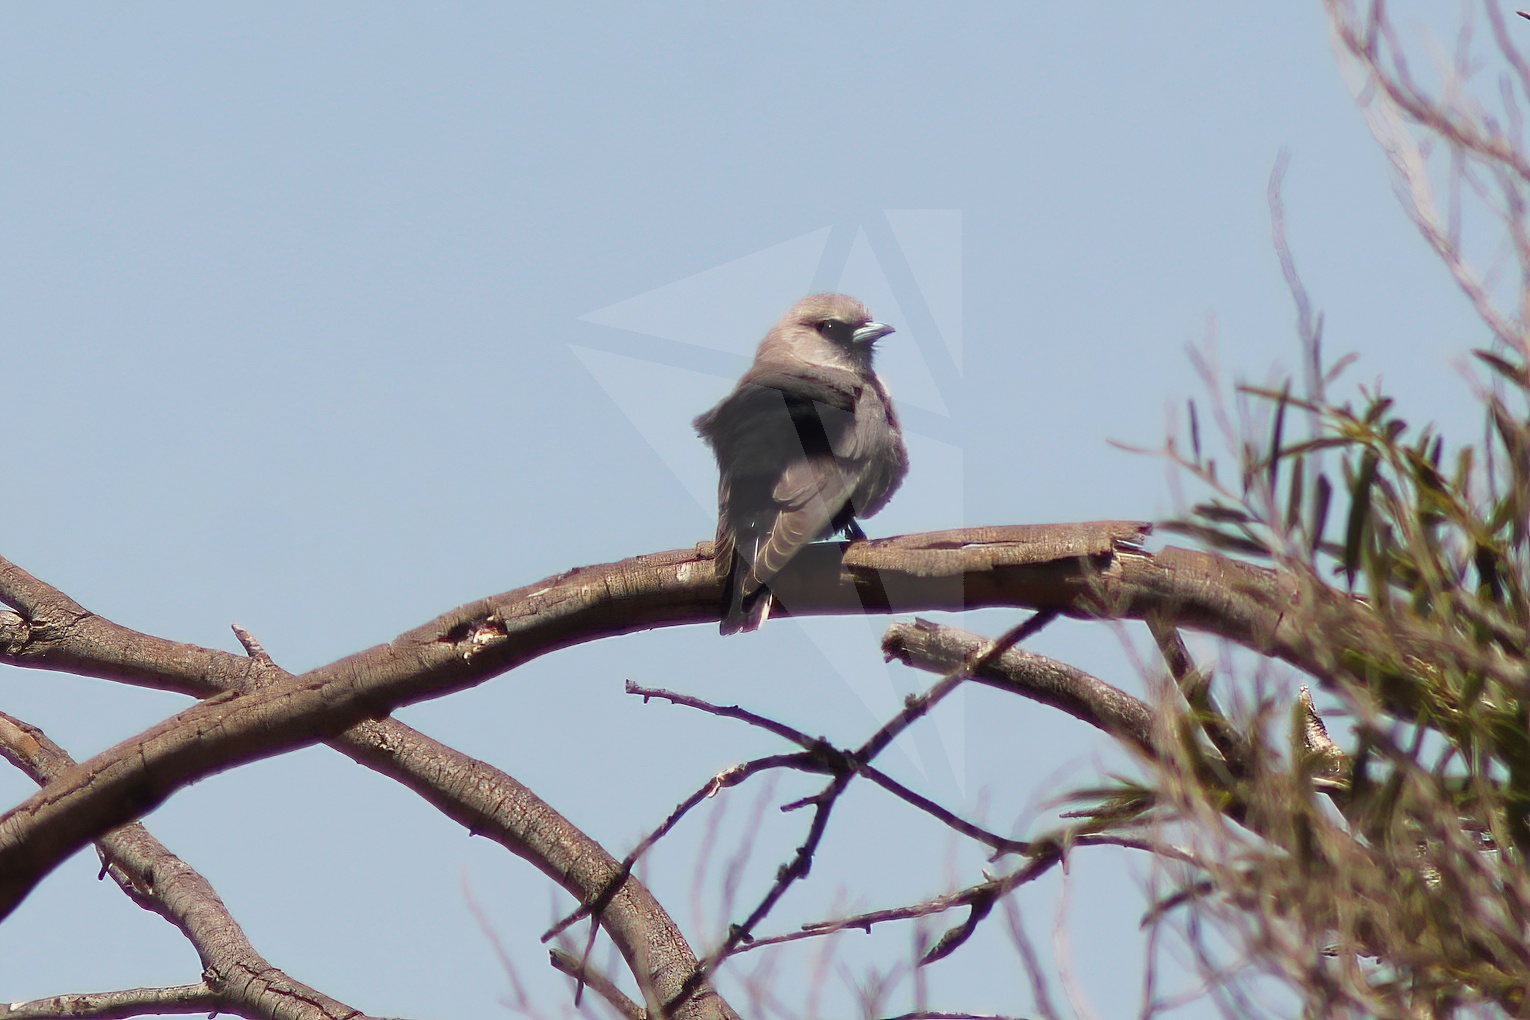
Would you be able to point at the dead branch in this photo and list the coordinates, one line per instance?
(236, 978)
(936, 648)
(568, 963)
(483, 799)
(1087, 570)
(491, 803)
(128, 1002)
(838, 759)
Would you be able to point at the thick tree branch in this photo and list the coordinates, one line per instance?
(1087, 570)
(129, 1002)
(489, 802)
(483, 799)
(932, 647)
(49, 630)
(237, 979)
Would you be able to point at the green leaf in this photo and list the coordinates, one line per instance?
(1294, 497)
(1195, 431)
(1282, 402)
(1322, 495)
(1220, 513)
(1359, 514)
(1314, 445)
(1487, 561)
(1244, 544)
(1517, 374)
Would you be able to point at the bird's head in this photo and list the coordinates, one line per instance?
(829, 329)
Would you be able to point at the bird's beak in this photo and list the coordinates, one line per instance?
(871, 333)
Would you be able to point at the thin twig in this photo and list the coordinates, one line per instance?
(990, 890)
(729, 777)
(915, 707)
(568, 963)
(837, 757)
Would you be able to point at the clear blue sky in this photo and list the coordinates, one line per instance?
(322, 319)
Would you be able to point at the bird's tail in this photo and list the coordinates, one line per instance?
(748, 604)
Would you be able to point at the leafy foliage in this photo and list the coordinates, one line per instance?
(1383, 873)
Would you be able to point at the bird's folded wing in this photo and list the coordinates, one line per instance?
(785, 433)
(809, 495)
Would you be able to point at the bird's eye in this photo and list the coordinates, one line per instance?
(835, 330)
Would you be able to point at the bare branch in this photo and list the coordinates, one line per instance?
(488, 802)
(568, 963)
(915, 707)
(931, 646)
(485, 800)
(1378, 67)
(251, 645)
(1000, 844)
(459, 649)
(130, 1002)
(597, 903)
(238, 979)
(986, 892)
(838, 758)
(765, 723)
(1307, 624)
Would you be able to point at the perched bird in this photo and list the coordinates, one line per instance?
(807, 442)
